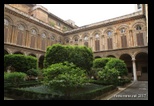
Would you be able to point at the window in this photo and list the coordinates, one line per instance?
(138, 27)
(109, 33)
(140, 40)
(6, 22)
(97, 36)
(109, 43)
(21, 27)
(33, 31)
(85, 38)
(76, 39)
(52, 37)
(123, 41)
(67, 40)
(43, 35)
(122, 30)
(139, 6)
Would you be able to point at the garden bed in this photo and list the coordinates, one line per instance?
(40, 92)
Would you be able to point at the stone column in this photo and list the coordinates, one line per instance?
(134, 69)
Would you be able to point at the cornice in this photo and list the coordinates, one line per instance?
(125, 18)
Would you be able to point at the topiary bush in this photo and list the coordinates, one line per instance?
(119, 65)
(81, 56)
(20, 63)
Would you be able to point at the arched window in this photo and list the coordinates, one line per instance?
(138, 27)
(20, 34)
(21, 27)
(123, 30)
(43, 41)
(43, 35)
(86, 41)
(52, 37)
(97, 43)
(33, 31)
(139, 6)
(6, 22)
(109, 33)
(67, 40)
(109, 40)
(86, 38)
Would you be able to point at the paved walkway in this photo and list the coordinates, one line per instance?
(135, 91)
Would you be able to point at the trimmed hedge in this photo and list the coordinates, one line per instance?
(81, 56)
(21, 94)
(20, 63)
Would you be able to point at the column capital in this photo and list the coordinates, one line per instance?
(133, 59)
(130, 30)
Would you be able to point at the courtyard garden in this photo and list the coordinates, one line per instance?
(69, 73)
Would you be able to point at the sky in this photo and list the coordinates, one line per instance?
(84, 14)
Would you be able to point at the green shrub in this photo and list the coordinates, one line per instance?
(64, 76)
(118, 64)
(109, 76)
(81, 56)
(32, 72)
(100, 62)
(20, 63)
(15, 78)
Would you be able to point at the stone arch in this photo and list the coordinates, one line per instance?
(18, 52)
(33, 27)
(5, 52)
(141, 59)
(123, 26)
(75, 39)
(66, 40)
(140, 51)
(128, 61)
(96, 32)
(41, 60)
(108, 29)
(9, 19)
(31, 54)
(142, 24)
(22, 23)
(111, 56)
(97, 57)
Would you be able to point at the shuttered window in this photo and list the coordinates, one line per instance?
(109, 43)
(140, 41)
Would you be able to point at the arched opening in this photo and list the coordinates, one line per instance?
(111, 56)
(41, 59)
(142, 66)
(18, 52)
(97, 57)
(5, 52)
(32, 55)
(128, 61)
